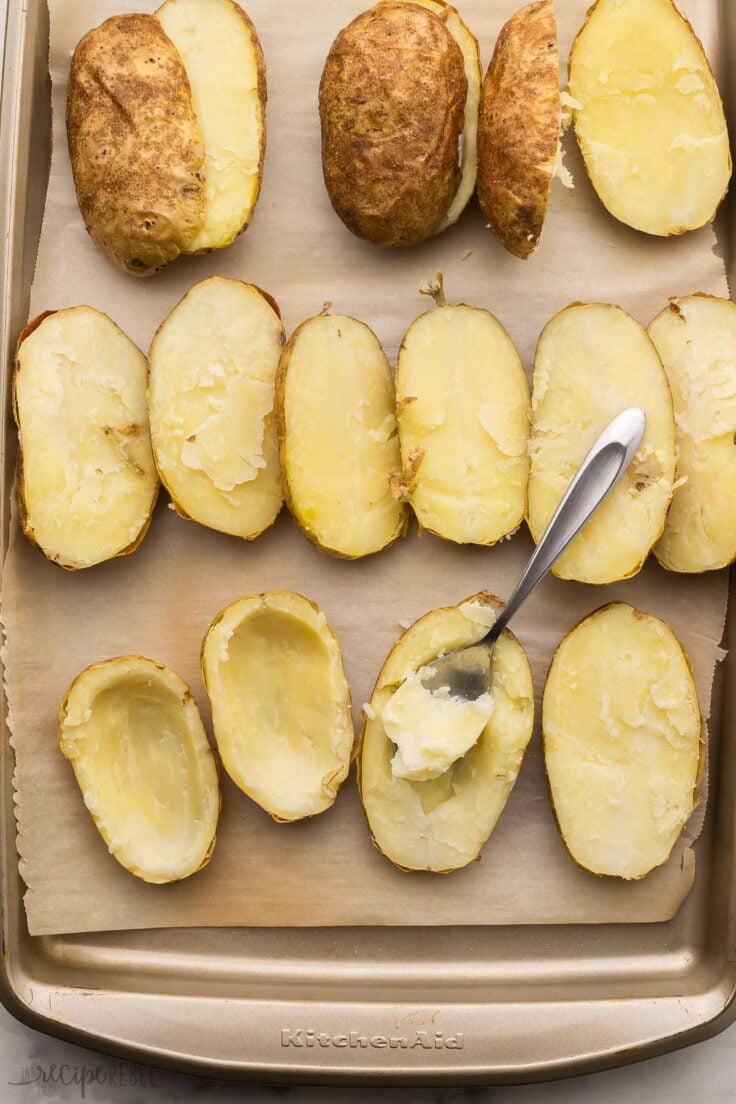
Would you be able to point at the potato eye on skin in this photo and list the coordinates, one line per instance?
(442, 824)
(87, 484)
(280, 703)
(622, 738)
(140, 754)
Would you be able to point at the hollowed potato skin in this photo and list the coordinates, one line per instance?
(519, 129)
(392, 101)
(134, 143)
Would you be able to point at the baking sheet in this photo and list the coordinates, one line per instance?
(161, 600)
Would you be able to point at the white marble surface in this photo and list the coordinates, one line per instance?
(36, 1068)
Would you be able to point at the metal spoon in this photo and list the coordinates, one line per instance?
(466, 673)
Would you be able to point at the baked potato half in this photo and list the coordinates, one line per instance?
(280, 703)
(211, 389)
(622, 741)
(224, 62)
(135, 144)
(696, 340)
(87, 483)
(593, 361)
(463, 416)
(133, 734)
(648, 117)
(398, 98)
(338, 456)
(519, 129)
(441, 823)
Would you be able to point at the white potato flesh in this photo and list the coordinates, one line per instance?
(650, 124)
(622, 741)
(696, 340)
(593, 361)
(87, 481)
(280, 703)
(463, 417)
(441, 824)
(474, 74)
(339, 445)
(134, 736)
(224, 62)
(211, 393)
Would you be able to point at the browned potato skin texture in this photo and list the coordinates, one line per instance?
(391, 102)
(134, 142)
(520, 116)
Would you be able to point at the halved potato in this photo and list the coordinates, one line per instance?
(649, 119)
(134, 143)
(87, 483)
(622, 741)
(211, 394)
(280, 703)
(338, 456)
(696, 339)
(593, 361)
(134, 736)
(519, 129)
(463, 418)
(398, 99)
(441, 824)
(227, 73)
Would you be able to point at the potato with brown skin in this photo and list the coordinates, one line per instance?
(392, 106)
(519, 129)
(135, 144)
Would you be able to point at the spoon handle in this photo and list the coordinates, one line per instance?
(598, 474)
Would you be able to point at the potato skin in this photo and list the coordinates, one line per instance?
(134, 143)
(518, 135)
(392, 101)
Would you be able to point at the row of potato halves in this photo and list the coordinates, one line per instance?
(621, 726)
(232, 421)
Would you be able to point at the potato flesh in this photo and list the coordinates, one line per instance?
(442, 824)
(223, 60)
(622, 739)
(463, 406)
(140, 754)
(651, 127)
(696, 339)
(211, 396)
(280, 703)
(87, 481)
(338, 455)
(592, 362)
(469, 146)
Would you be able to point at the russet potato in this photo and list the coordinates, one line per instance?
(135, 144)
(592, 362)
(133, 734)
(227, 73)
(212, 371)
(441, 824)
(696, 339)
(622, 741)
(463, 418)
(648, 117)
(280, 703)
(519, 128)
(398, 99)
(87, 483)
(338, 456)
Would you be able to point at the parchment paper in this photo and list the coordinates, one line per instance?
(159, 602)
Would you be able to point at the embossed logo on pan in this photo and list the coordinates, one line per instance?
(355, 1040)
